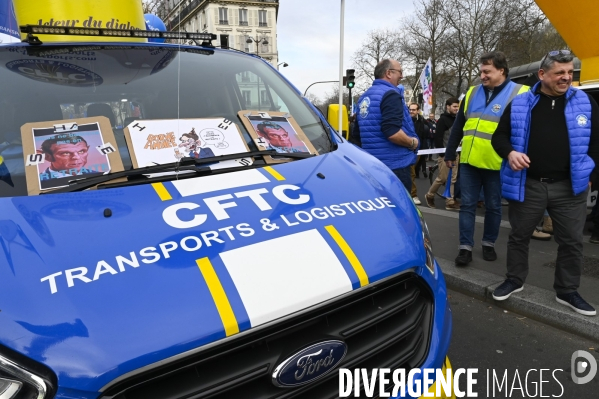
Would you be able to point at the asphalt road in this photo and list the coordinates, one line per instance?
(494, 340)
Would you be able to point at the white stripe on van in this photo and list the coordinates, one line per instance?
(284, 275)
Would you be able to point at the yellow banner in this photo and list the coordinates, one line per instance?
(112, 14)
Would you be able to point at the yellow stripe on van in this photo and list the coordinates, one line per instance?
(274, 173)
(349, 253)
(162, 191)
(219, 296)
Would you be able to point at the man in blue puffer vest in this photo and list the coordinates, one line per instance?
(384, 123)
(549, 141)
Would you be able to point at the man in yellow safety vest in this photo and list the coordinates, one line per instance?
(475, 124)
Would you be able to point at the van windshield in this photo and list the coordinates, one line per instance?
(133, 83)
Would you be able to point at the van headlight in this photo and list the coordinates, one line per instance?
(428, 245)
(17, 382)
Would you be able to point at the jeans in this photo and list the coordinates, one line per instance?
(568, 212)
(471, 181)
(404, 175)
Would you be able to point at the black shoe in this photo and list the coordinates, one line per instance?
(424, 174)
(417, 175)
(507, 288)
(575, 301)
(489, 253)
(464, 257)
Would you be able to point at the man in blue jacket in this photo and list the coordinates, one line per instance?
(384, 124)
(549, 141)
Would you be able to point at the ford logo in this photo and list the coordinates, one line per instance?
(309, 364)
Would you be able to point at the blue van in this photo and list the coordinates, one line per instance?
(258, 280)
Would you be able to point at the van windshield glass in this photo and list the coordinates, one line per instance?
(133, 83)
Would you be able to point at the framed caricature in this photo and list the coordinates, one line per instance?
(164, 141)
(57, 152)
(276, 131)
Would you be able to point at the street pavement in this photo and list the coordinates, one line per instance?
(495, 340)
(480, 277)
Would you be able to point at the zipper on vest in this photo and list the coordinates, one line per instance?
(552, 104)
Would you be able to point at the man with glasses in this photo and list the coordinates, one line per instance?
(384, 124)
(549, 140)
(474, 126)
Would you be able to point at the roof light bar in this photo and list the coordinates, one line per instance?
(49, 30)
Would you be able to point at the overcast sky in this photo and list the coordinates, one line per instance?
(308, 36)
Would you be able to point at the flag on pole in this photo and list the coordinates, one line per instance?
(426, 81)
(447, 193)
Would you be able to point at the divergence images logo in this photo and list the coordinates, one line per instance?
(56, 72)
(580, 367)
(309, 364)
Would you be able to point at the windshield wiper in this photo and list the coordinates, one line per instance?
(186, 164)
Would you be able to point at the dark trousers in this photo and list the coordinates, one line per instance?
(568, 213)
(405, 176)
(421, 164)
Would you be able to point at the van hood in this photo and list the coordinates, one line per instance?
(99, 283)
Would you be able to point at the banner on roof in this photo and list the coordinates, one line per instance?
(426, 81)
(107, 14)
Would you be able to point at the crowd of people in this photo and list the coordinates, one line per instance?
(535, 147)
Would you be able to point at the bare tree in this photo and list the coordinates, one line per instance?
(425, 35)
(150, 6)
(454, 34)
(378, 45)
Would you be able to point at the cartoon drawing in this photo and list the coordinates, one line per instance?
(193, 145)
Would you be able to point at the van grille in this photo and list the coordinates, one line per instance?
(385, 325)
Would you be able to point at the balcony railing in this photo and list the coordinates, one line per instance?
(192, 6)
(184, 13)
(243, 23)
(223, 22)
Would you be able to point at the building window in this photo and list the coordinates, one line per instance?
(264, 97)
(222, 16)
(247, 97)
(262, 18)
(245, 76)
(243, 17)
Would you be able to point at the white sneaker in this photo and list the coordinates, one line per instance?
(416, 200)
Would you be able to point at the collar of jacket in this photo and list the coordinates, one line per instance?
(497, 89)
(536, 90)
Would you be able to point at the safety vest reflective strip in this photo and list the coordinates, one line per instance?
(479, 129)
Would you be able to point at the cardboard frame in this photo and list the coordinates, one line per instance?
(67, 128)
(282, 118)
(130, 145)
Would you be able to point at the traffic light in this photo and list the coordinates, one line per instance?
(349, 82)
